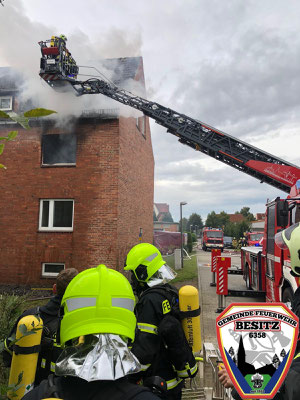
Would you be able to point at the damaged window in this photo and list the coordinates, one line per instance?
(52, 269)
(59, 149)
(5, 103)
(56, 215)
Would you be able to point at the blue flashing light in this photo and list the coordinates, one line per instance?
(298, 184)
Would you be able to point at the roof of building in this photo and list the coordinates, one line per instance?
(10, 79)
(162, 207)
(236, 217)
(122, 70)
(260, 216)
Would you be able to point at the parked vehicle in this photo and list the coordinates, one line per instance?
(253, 238)
(212, 238)
(268, 268)
(227, 242)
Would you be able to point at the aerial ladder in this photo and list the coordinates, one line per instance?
(196, 134)
(213, 142)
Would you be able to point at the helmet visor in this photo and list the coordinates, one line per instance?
(280, 241)
(165, 274)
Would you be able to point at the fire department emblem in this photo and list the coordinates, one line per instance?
(257, 342)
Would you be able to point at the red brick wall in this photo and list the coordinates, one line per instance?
(136, 187)
(107, 211)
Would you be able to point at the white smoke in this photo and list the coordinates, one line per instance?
(20, 50)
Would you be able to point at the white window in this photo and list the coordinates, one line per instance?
(56, 215)
(5, 103)
(52, 269)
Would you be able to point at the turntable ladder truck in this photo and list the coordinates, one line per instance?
(265, 268)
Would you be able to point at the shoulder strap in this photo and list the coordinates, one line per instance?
(51, 327)
(52, 390)
(163, 290)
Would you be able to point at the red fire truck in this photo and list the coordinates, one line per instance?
(267, 268)
(212, 238)
(253, 238)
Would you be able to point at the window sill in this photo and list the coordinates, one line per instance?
(58, 230)
(57, 165)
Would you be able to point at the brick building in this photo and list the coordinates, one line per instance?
(162, 212)
(73, 198)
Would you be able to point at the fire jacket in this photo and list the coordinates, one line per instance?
(49, 349)
(291, 387)
(160, 344)
(72, 388)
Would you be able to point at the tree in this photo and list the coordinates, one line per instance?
(190, 242)
(245, 211)
(195, 219)
(167, 217)
(184, 224)
(212, 220)
(23, 120)
(223, 218)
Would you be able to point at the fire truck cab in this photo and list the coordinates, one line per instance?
(212, 238)
(253, 238)
(268, 268)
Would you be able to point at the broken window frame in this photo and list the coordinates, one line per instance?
(51, 274)
(50, 217)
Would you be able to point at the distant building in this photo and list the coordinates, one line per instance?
(260, 216)
(166, 226)
(161, 211)
(235, 218)
(257, 226)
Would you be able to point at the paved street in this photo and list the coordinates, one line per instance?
(208, 296)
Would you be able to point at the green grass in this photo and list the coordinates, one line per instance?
(189, 270)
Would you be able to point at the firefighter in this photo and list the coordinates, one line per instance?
(160, 343)
(63, 38)
(290, 390)
(97, 322)
(49, 314)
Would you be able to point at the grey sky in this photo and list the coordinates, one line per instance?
(233, 64)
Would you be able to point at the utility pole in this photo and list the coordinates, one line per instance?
(182, 203)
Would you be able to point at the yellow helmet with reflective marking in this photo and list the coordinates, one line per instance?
(148, 266)
(98, 300)
(290, 238)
